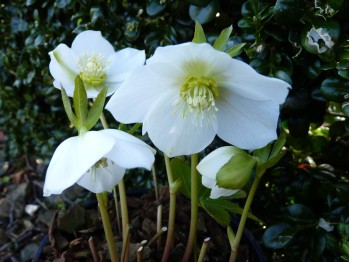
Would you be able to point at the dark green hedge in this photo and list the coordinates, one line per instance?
(314, 173)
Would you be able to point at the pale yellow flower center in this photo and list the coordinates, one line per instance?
(200, 94)
(93, 69)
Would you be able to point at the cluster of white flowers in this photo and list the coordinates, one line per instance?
(184, 95)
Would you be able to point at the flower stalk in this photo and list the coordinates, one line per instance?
(238, 237)
(194, 208)
(172, 211)
(107, 227)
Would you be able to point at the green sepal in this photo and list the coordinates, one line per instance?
(221, 41)
(68, 107)
(199, 36)
(236, 173)
(96, 109)
(269, 155)
(234, 50)
(80, 103)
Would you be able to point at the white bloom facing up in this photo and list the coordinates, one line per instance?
(210, 166)
(188, 93)
(96, 160)
(94, 59)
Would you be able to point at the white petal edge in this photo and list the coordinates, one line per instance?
(63, 68)
(245, 123)
(129, 151)
(73, 158)
(123, 62)
(92, 41)
(138, 94)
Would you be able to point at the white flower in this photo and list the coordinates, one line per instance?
(94, 59)
(96, 161)
(188, 93)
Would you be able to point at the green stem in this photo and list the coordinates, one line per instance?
(172, 210)
(107, 227)
(194, 208)
(123, 208)
(103, 121)
(244, 217)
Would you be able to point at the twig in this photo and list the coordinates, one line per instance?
(203, 249)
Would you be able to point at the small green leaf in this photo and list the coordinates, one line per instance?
(221, 41)
(301, 214)
(96, 109)
(80, 102)
(199, 36)
(154, 7)
(68, 107)
(234, 50)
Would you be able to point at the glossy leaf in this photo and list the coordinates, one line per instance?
(301, 214)
(154, 7)
(204, 14)
(335, 89)
(278, 236)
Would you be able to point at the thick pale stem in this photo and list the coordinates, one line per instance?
(107, 228)
(194, 208)
(244, 217)
(172, 211)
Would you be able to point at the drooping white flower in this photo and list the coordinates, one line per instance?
(96, 160)
(94, 59)
(239, 173)
(188, 93)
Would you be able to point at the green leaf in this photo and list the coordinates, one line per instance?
(335, 89)
(96, 109)
(199, 36)
(182, 171)
(204, 14)
(219, 209)
(231, 236)
(278, 236)
(154, 7)
(68, 107)
(221, 41)
(301, 214)
(80, 102)
(234, 50)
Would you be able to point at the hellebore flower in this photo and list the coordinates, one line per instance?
(96, 160)
(94, 59)
(188, 93)
(226, 170)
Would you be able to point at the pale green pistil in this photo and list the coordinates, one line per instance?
(93, 69)
(199, 93)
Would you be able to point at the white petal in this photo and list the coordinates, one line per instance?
(102, 179)
(217, 192)
(246, 82)
(123, 63)
(92, 41)
(210, 165)
(173, 134)
(129, 151)
(245, 123)
(138, 94)
(73, 158)
(63, 68)
(192, 59)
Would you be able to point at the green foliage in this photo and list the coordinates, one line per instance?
(302, 197)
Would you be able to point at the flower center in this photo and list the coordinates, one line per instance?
(199, 93)
(93, 69)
